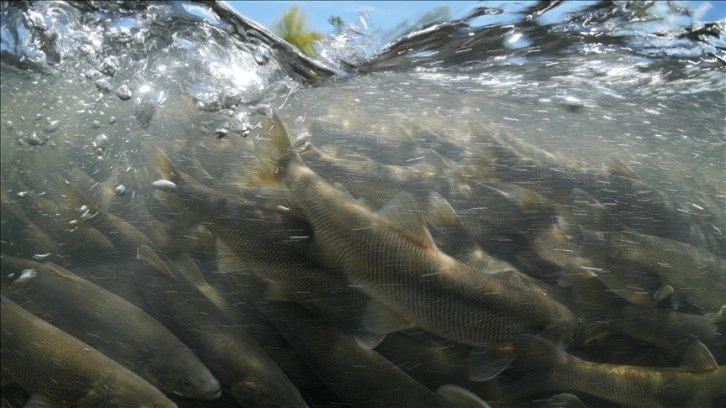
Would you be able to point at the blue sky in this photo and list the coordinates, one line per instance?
(385, 15)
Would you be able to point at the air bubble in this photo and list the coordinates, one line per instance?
(124, 92)
(262, 55)
(104, 85)
(100, 142)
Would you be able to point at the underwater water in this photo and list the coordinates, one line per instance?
(522, 207)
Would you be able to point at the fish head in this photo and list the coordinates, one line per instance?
(182, 373)
(565, 332)
(256, 391)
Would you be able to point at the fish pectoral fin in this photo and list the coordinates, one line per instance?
(404, 215)
(453, 396)
(227, 261)
(368, 340)
(698, 358)
(565, 400)
(487, 363)
(382, 319)
(662, 293)
(40, 401)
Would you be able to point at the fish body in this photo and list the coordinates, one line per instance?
(276, 246)
(669, 330)
(232, 355)
(33, 352)
(696, 274)
(357, 375)
(699, 382)
(113, 325)
(392, 258)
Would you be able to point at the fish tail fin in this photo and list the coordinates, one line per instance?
(277, 156)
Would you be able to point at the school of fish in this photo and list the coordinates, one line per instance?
(491, 274)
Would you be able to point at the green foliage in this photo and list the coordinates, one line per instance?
(337, 23)
(292, 27)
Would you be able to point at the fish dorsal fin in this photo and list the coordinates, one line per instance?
(495, 147)
(696, 236)
(382, 319)
(404, 215)
(403, 132)
(308, 150)
(453, 396)
(162, 164)
(76, 198)
(186, 265)
(227, 261)
(698, 358)
(18, 212)
(62, 272)
(530, 199)
(590, 294)
(433, 157)
(595, 245)
(200, 173)
(617, 167)
(441, 215)
(149, 257)
(275, 150)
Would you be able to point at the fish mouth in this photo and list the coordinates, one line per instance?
(211, 395)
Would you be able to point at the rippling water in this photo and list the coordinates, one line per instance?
(87, 87)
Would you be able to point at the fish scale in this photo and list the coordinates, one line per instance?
(47, 361)
(439, 293)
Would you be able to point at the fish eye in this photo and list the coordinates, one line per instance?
(573, 335)
(187, 384)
